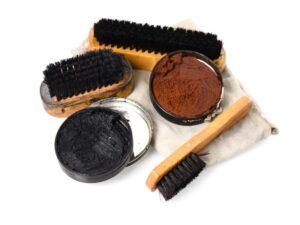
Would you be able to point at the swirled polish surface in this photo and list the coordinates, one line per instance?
(94, 141)
(185, 86)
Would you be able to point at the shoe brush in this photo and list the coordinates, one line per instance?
(143, 45)
(75, 83)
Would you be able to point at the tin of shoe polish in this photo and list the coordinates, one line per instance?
(186, 88)
(94, 144)
(139, 121)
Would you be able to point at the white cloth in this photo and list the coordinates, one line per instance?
(167, 136)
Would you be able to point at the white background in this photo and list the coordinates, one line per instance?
(259, 186)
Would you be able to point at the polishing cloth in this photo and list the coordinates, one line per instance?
(167, 136)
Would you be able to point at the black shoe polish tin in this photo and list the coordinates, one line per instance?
(94, 144)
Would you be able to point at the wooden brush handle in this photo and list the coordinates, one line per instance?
(226, 120)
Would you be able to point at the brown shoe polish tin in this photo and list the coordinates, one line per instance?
(186, 88)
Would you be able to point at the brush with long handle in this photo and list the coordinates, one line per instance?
(180, 168)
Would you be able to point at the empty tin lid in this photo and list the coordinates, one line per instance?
(139, 120)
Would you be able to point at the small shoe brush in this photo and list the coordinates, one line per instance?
(72, 84)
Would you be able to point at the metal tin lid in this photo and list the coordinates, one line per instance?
(138, 119)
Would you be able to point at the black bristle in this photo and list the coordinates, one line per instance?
(181, 175)
(155, 38)
(84, 73)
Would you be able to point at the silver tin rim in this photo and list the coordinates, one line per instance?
(142, 113)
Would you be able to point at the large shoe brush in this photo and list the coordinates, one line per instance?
(73, 84)
(180, 168)
(143, 45)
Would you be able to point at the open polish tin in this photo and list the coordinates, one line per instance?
(138, 119)
(97, 143)
(186, 88)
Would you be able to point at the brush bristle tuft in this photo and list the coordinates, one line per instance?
(181, 175)
(83, 73)
(155, 38)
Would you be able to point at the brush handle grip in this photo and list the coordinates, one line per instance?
(226, 120)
